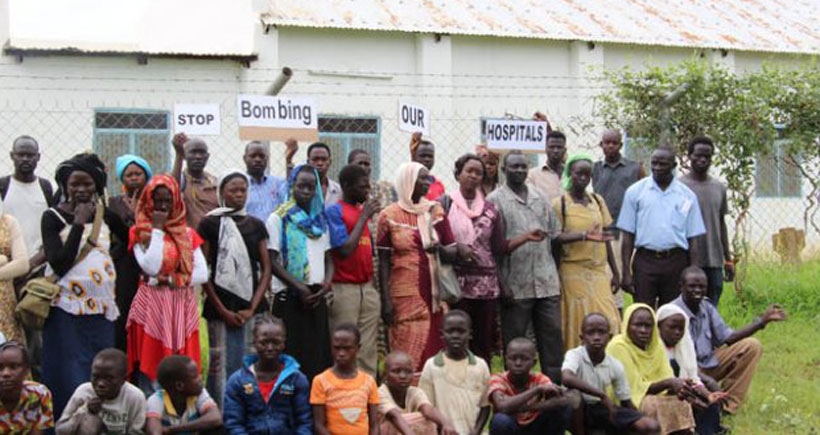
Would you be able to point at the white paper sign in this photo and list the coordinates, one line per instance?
(413, 119)
(509, 134)
(197, 119)
(262, 117)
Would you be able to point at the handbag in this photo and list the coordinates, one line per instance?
(449, 290)
(37, 294)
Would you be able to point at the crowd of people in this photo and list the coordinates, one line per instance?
(287, 295)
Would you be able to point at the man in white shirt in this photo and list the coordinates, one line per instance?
(26, 196)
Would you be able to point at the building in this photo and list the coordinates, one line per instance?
(105, 75)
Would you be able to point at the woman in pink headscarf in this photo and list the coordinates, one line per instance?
(410, 232)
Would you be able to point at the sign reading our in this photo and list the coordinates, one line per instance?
(262, 117)
(197, 119)
(413, 119)
(509, 134)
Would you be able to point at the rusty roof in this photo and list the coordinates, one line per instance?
(787, 26)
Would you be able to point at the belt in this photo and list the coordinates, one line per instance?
(666, 253)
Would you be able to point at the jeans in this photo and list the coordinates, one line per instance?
(714, 283)
(545, 315)
(552, 422)
(228, 349)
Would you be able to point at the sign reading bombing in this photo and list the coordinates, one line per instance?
(263, 117)
(508, 134)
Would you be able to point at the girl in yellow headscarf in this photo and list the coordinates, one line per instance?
(655, 389)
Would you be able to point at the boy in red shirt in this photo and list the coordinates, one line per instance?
(355, 298)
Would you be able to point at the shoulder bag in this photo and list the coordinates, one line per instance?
(449, 290)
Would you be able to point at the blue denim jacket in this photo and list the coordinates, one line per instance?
(287, 410)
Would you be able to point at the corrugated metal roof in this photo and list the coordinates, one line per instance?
(167, 27)
(789, 26)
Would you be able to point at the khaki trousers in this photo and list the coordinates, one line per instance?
(360, 305)
(736, 366)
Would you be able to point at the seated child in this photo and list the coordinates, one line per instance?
(588, 369)
(25, 406)
(405, 409)
(455, 380)
(525, 402)
(269, 395)
(182, 406)
(108, 404)
(673, 326)
(344, 398)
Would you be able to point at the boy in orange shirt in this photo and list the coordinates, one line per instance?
(345, 400)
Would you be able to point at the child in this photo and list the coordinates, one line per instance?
(588, 369)
(25, 406)
(108, 404)
(526, 402)
(455, 380)
(406, 409)
(182, 406)
(344, 398)
(270, 394)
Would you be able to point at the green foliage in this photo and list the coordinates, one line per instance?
(742, 114)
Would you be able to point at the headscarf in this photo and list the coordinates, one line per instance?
(86, 162)
(642, 367)
(298, 225)
(405, 185)
(461, 215)
(684, 351)
(125, 160)
(233, 272)
(178, 255)
(566, 177)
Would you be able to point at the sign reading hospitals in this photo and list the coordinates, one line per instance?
(514, 134)
(197, 119)
(262, 117)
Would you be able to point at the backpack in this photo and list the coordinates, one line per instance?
(45, 186)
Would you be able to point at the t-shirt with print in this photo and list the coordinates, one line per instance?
(124, 414)
(501, 382)
(356, 268)
(253, 231)
(345, 401)
(33, 411)
(159, 406)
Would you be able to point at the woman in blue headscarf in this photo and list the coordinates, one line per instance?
(133, 173)
(299, 246)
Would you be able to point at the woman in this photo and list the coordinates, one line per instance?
(655, 389)
(585, 252)
(133, 172)
(236, 247)
(409, 234)
(673, 327)
(81, 321)
(476, 225)
(13, 263)
(491, 160)
(300, 255)
(164, 317)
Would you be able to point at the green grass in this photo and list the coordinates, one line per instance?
(785, 394)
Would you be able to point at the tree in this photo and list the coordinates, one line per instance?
(741, 113)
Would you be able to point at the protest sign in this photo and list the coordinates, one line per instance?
(510, 134)
(262, 117)
(197, 119)
(413, 119)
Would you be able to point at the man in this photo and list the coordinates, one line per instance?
(729, 356)
(424, 152)
(355, 298)
(382, 191)
(265, 191)
(199, 189)
(528, 277)
(318, 155)
(547, 179)
(25, 195)
(714, 256)
(660, 217)
(610, 179)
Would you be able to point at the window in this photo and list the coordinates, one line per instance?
(144, 133)
(776, 175)
(344, 134)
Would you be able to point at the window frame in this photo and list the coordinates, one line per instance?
(344, 140)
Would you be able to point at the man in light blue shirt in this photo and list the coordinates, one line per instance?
(266, 191)
(659, 219)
